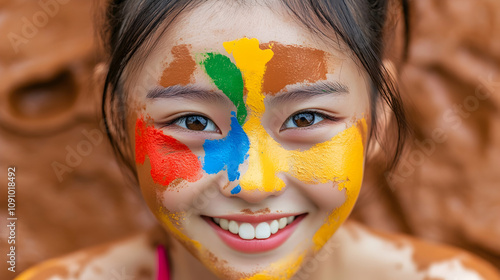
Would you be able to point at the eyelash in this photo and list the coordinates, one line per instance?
(316, 113)
(313, 112)
(183, 118)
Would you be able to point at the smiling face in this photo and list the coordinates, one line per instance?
(250, 138)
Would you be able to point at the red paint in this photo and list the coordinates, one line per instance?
(169, 158)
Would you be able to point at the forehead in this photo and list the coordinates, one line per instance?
(205, 26)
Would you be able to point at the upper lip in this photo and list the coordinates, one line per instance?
(256, 218)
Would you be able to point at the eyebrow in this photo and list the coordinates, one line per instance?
(188, 92)
(304, 92)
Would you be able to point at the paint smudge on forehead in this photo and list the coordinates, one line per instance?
(291, 65)
(227, 77)
(169, 158)
(180, 71)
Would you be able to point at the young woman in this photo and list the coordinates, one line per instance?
(247, 125)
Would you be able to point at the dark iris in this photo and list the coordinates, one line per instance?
(303, 119)
(196, 123)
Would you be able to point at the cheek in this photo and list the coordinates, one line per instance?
(171, 160)
(338, 160)
(171, 164)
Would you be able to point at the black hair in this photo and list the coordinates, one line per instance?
(359, 24)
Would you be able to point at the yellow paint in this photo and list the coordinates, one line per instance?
(340, 159)
(167, 218)
(282, 270)
(251, 61)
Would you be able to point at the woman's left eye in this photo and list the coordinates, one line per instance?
(303, 119)
(196, 123)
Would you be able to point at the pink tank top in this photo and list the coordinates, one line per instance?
(162, 267)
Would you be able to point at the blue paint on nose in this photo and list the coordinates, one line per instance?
(236, 190)
(227, 153)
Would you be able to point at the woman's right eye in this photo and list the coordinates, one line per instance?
(196, 123)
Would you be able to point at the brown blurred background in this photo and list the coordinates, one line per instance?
(71, 194)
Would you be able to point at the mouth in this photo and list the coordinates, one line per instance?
(255, 234)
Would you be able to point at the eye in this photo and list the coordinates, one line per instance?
(196, 123)
(303, 119)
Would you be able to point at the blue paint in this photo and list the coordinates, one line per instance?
(227, 153)
(236, 190)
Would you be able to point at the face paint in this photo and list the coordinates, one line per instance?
(227, 77)
(292, 65)
(180, 70)
(255, 70)
(169, 158)
(282, 270)
(228, 153)
(339, 159)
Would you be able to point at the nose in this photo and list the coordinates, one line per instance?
(258, 174)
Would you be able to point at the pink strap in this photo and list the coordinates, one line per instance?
(163, 271)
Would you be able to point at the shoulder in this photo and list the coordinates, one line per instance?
(129, 258)
(397, 256)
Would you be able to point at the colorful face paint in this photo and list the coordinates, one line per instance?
(258, 69)
(228, 153)
(227, 77)
(339, 159)
(180, 70)
(170, 159)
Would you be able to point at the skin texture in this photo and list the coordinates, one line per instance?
(250, 162)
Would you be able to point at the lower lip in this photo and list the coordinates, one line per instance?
(255, 245)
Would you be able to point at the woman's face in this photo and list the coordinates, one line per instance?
(250, 137)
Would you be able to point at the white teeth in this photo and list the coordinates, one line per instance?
(224, 224)
(274, 226)
(233, 227)
(246, 231)
(282, 222)
(262, 231)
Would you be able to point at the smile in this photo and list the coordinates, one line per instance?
(254, 234)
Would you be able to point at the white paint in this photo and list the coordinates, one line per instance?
(452, 270)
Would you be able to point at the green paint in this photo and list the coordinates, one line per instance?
(227, 77)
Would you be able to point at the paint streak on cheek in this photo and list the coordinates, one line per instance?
(169, 158)
(291, 65)
(173, 222)
(180, 70)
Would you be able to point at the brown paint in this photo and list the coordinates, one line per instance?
(260, 211)
(291, 65)
(180, 70)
